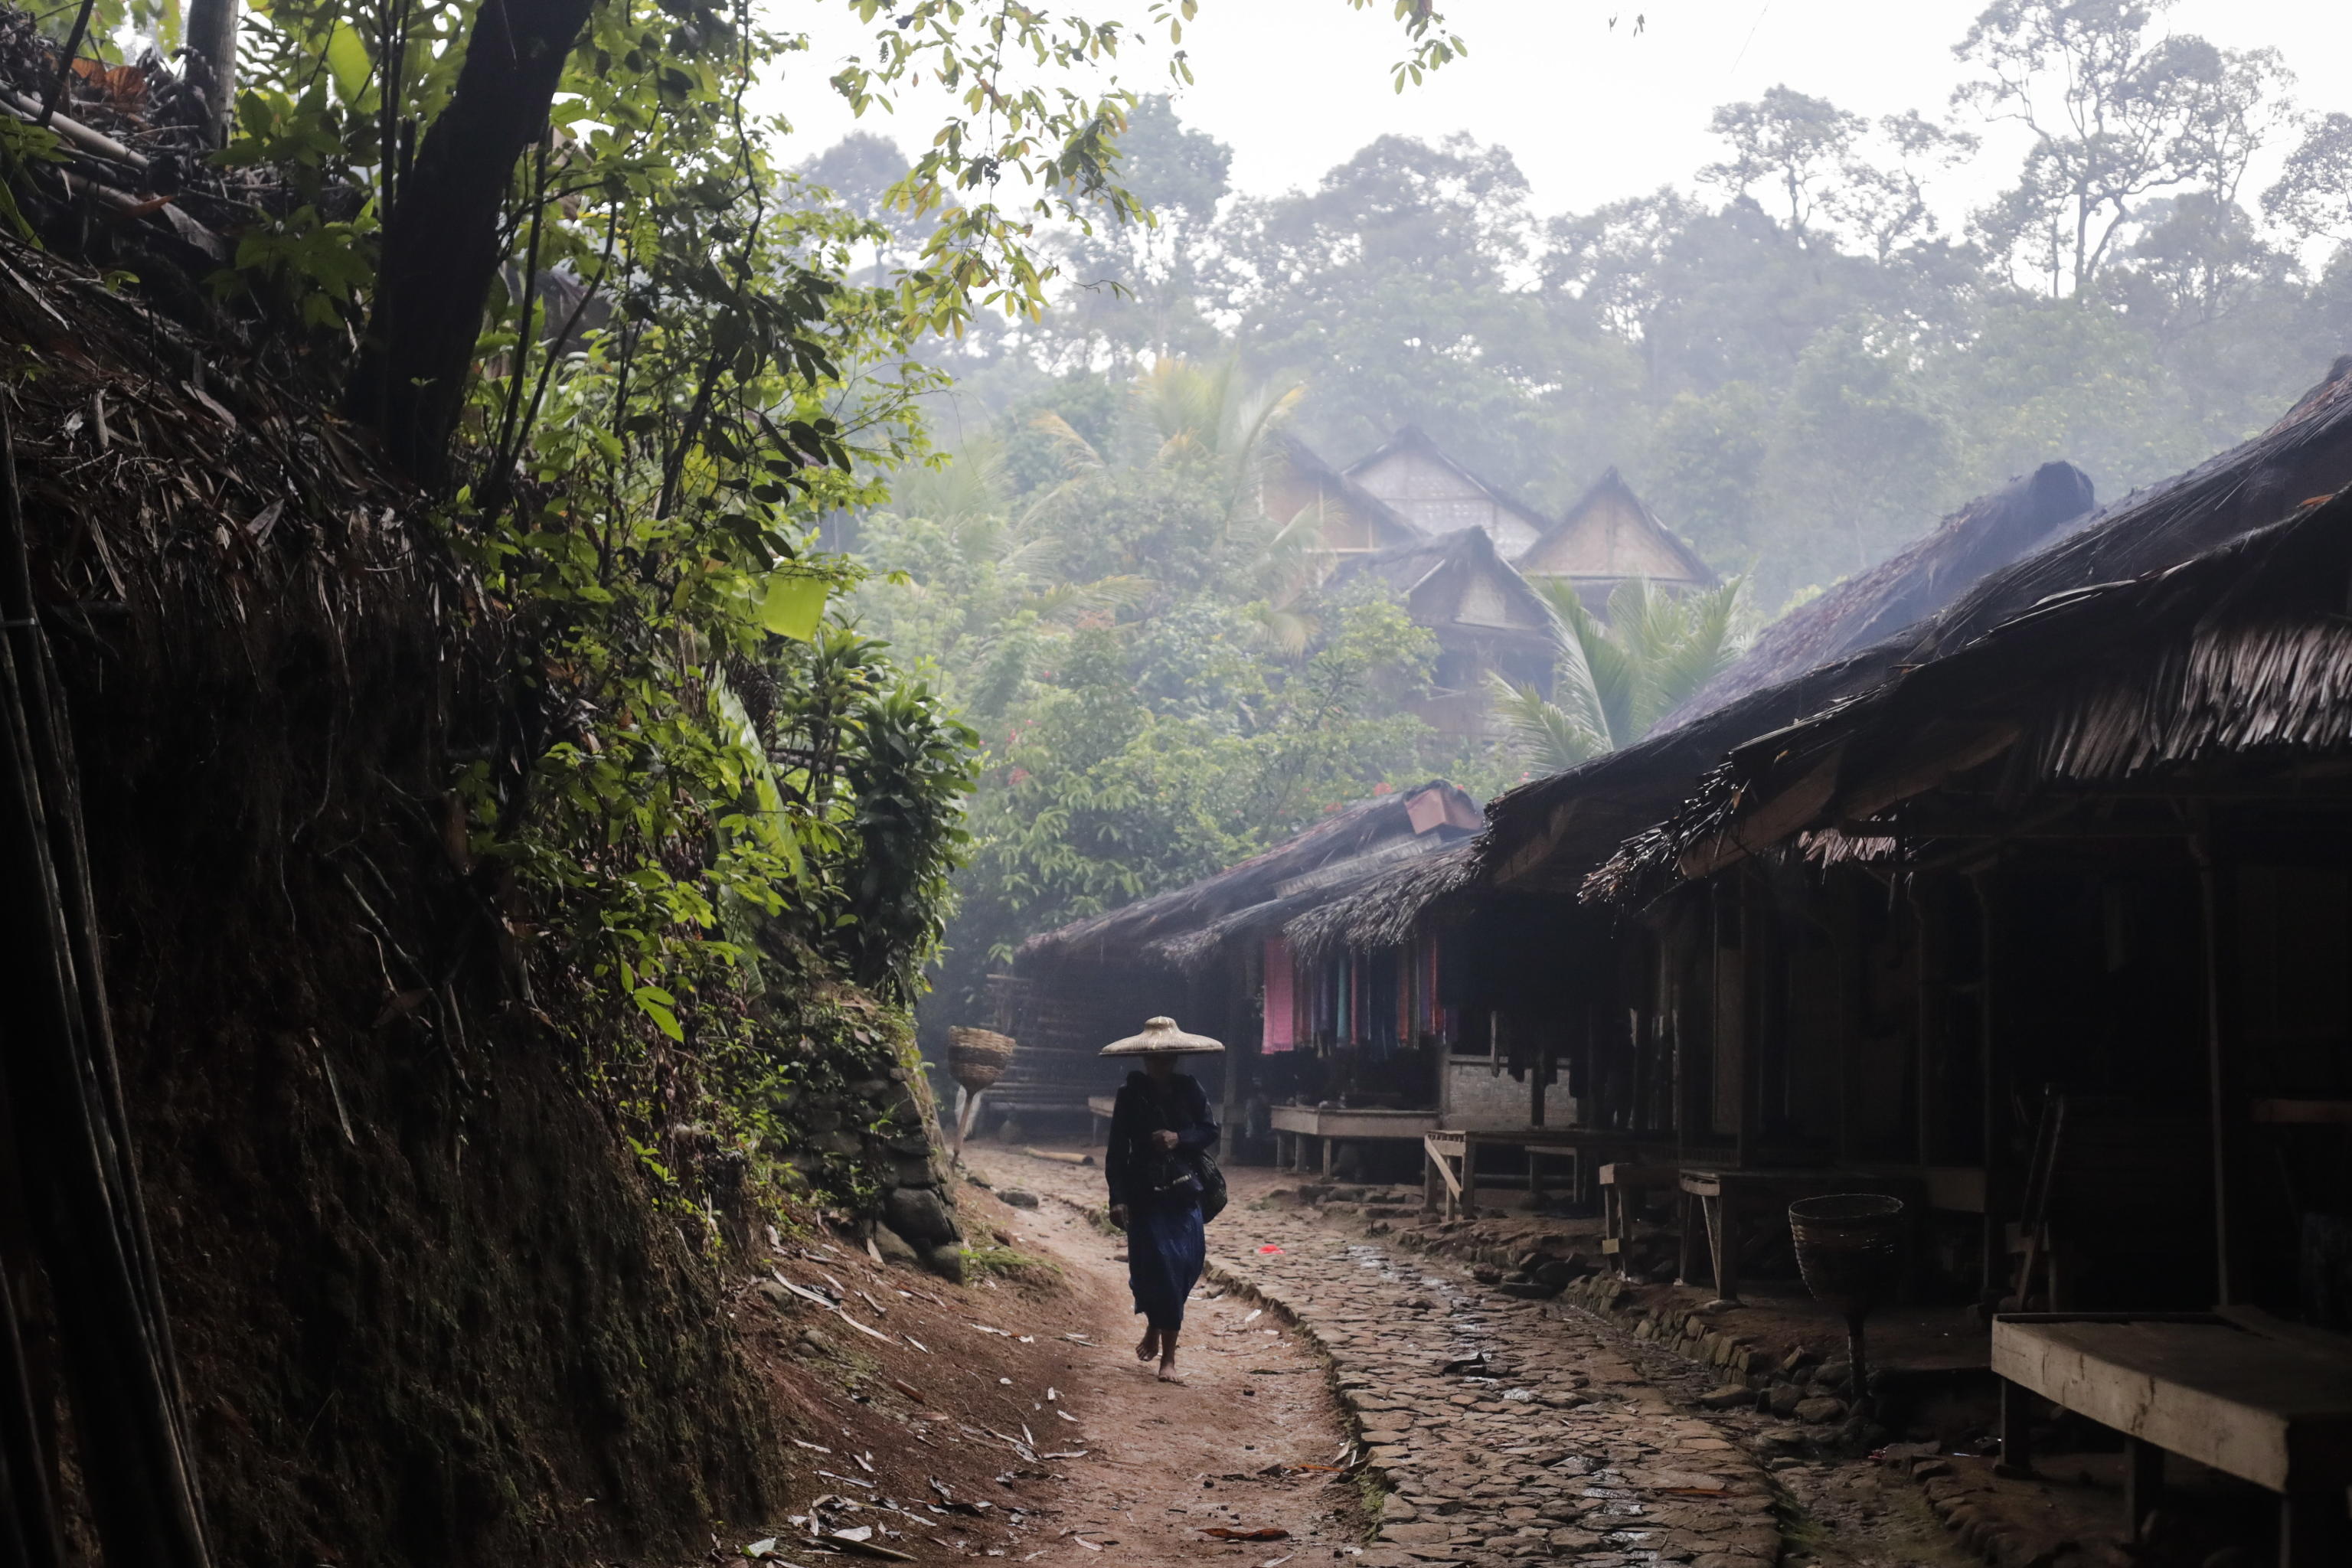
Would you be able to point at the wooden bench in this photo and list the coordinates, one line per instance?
(1099, 1107)
(2237, 1390)
(1334, 1124)
(1451, 1155)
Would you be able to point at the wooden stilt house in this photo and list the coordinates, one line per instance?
(1973, 937)
(2097, 857)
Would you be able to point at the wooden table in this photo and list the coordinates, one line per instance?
(1334, 1123)
(1099, 1107)
(1724, 1198)
(2266, 1401)
(1451, 1155)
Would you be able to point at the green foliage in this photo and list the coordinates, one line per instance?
(1615, 679)
(1164, 686)
(22, 145)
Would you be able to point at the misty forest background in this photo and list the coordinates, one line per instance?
(1789, 358)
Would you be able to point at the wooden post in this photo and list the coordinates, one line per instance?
(2143, 1482)
(2220, 1070)
(1689, 1253)
(2312, 1529)
(1742, 1056)
(1931, 1022)
(2016, 1429)
(1723, 1235)
(1853, 975)
(1985, 885)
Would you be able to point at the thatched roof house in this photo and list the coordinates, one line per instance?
(2231, 667)
(1352, 520)
(1197, 952)
(1608, 535)
(1485, 616)
(2092, 831)
(1437, 494)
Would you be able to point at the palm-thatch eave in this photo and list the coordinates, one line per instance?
(2237, 656)
(1553, 833)
(1382, 911)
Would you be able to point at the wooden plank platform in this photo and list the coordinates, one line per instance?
(1332, 1123)
(2268, 1401)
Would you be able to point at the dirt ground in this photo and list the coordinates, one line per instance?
(1008, 1417)
(1250, 1440)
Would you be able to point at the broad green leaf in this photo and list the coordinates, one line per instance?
(794, 606)
(347, 60)
(647, 1000)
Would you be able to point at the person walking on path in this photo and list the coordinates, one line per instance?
(1161, 1129)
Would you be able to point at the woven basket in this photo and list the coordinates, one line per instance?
(1850, 1247)
(978, 1057)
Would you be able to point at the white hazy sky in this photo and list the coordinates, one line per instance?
(1590, 112)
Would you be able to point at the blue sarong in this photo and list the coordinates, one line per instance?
(1165, 1250)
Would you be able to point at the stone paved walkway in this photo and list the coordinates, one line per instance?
(1500, 1431)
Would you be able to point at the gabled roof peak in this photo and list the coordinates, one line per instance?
(1547, 556)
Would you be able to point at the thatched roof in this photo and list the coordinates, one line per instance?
(2240, 653)
(1411, 440)
(1186, 924)
(1610, 498)
(1871, 607)
(1380, 911)
(1439, 581)
(1551, 833)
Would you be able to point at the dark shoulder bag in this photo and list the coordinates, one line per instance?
(1212, 1186)
(1214, 1196)
(1190, 1171)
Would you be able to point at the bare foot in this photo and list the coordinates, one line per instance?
(1168, 1373)
(1150, 1345)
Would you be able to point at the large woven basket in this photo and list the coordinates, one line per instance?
(978, 1057)
(1850, 1247)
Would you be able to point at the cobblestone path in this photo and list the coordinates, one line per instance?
(1503, 1430)
(1500, 1431)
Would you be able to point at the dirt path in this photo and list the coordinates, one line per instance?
(1164, 1464)
(1497, 1431)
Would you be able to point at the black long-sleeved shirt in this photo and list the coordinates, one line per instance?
(1142, 1109)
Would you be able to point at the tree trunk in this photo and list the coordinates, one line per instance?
(441, 243)
(212, 40)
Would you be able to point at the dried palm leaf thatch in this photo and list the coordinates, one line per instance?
(1556, 831)
(2240, 658)
(1184, 926)
(1382, 911)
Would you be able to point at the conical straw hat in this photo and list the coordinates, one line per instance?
(1160, 1036)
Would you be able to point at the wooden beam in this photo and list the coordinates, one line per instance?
(1768, 824)
(1972, 747)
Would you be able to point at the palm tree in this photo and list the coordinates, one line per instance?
(1614, 680)
(1209, 420)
